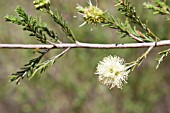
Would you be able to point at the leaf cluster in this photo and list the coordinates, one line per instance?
(159, 7)
(43, 34)
(126, 29)
(128, 9)
(163, 54)
(33, 25)
(29, 69)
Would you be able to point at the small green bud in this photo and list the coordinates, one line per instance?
(40, 4)
(91, 14)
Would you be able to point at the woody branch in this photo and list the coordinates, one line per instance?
(85, 45)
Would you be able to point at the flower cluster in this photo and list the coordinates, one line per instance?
(40, 4)
(112, 71)
(91, 14)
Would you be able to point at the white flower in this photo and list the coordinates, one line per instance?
(112, 71)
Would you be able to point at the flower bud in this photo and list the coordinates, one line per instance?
(40, 4)
(91, 14)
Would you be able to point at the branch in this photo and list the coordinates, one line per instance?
(85, 45)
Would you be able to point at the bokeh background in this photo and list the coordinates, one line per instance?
(71, 86)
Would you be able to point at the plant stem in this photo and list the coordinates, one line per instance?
(85, 45)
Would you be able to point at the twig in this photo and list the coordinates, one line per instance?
(85, 45)
(140, 59)
(135, 38)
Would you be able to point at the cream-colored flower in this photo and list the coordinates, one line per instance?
(112, 71)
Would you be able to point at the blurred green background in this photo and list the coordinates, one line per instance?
(70, 86)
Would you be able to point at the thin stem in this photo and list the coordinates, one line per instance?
(140, 59)
(85, 45)
(135, 38)
(59, 20)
